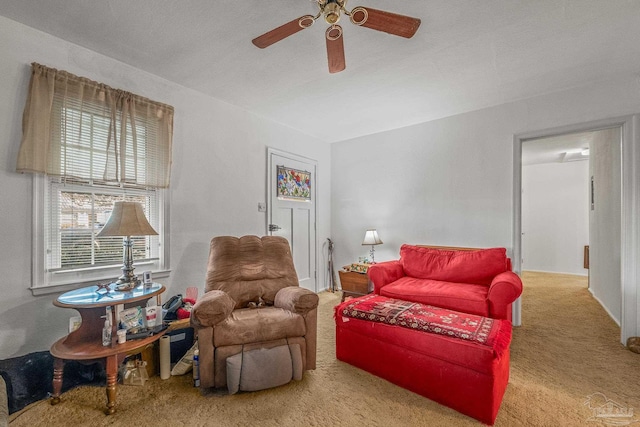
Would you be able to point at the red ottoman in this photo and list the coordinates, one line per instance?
(459, 360)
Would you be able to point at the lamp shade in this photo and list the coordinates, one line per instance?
(371, 238)
(127, 219)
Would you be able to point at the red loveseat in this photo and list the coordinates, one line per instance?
(475, 281)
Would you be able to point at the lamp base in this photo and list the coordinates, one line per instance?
(126, 286)
(128, 281)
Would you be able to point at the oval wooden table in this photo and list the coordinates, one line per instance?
(85, 343)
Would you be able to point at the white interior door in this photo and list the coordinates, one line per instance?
(292, 210)
(605, 225)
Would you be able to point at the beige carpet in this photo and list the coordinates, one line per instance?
(566, 350)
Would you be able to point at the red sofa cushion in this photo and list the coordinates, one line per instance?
(468, 298)
(477, 267)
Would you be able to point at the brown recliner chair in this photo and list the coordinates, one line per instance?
(252, 301)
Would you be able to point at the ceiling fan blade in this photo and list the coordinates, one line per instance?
(335, 49)
(392, 23)
(283, 31)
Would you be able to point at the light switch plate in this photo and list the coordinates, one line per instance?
(262, 207)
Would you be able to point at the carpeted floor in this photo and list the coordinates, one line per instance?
(567, 350)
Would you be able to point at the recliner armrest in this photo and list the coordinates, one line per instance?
(296, 299)
(214, 307)
(383, 273)
(505, 288)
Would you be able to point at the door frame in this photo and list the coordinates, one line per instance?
(271, 185)
(630, 229)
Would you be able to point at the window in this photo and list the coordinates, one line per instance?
(73, 214)
(102, 145)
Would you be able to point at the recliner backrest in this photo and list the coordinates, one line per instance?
(250, 267)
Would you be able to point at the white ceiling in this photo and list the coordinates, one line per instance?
(467, 54)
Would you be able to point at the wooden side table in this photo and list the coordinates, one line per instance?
(354, 284)
(85, 343)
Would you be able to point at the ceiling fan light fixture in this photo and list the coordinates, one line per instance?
(332, 13)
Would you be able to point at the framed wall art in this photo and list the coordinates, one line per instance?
(293, 184)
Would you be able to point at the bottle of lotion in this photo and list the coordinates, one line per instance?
(106, 332)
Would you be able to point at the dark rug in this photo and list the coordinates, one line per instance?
(29, 378)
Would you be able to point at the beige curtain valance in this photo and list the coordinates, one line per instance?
(79, 129)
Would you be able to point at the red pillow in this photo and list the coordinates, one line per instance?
(184, 312)
(477, 266)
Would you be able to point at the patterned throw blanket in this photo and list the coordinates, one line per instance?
(426, 318)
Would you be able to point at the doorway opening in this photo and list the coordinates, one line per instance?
(630, 210)
(571, 210)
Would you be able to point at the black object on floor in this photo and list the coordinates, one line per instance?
(29, 377)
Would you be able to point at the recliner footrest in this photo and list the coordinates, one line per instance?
(264, 368)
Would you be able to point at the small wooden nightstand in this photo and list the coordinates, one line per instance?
(354, 284)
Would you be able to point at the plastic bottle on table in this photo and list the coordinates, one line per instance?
(106, 333)
(196, 368)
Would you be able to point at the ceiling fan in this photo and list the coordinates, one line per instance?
(331, 10)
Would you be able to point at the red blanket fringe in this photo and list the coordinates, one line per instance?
(502, 339)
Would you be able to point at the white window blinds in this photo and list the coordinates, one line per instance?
(76, 213)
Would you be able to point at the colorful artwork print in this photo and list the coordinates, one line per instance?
(293, 184)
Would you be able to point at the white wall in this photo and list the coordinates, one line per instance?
(218, 177)
(555, 217)
(434, 183)
(450, 181)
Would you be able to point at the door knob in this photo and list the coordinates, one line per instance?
(274, 227)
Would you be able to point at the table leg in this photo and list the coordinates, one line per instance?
(112, 378)
(58, 370)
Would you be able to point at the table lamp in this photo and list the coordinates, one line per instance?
(371, 238)
(127, 219)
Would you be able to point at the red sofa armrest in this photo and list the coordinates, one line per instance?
(383, 273)
(505, 288)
